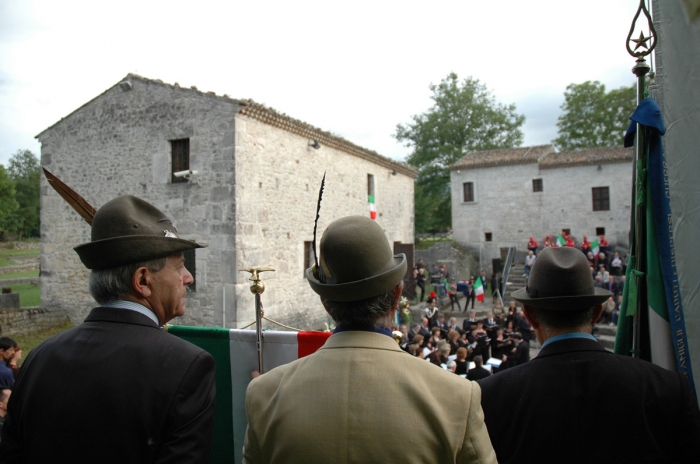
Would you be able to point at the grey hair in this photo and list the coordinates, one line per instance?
(372, 312)
(115, 283)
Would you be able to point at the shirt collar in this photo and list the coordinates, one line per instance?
(381, 330)
(567, 336)
(132, 306)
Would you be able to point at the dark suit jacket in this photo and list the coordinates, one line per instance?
(114, 389)
(477, 373)
(578, 403)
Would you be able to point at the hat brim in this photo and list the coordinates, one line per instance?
(563, 303)
(118, 251)
(361, 289)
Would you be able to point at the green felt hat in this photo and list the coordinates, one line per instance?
(130, 230)
(356, 261)
(561, 279)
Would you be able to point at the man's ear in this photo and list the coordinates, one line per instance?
(398, 291)
(531, 317)
(141, 281)
(597, 313)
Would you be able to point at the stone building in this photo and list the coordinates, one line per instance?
(501, 197)
(252, 198)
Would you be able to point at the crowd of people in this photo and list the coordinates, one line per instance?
(498, 342)
(607, 269)
(443, 285)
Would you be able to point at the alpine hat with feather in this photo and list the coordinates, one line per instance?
(129, 230)
(561, 280)
(356, 261)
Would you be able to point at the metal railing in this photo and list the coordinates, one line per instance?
(510, 259)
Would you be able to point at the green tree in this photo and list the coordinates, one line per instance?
(592, 117)
(8, 203)
(24, 170)
(465, 117)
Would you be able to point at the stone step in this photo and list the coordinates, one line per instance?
(606, 329)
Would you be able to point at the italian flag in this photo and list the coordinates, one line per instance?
(595, 247)
(236, 356)
(561, 241)
(372, 207)
(479, 289)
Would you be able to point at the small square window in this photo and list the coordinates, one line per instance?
(601, 198)
(566, 231)
(600, 230)
(488, 237)
(468, 192)
(180, 157)
(537, 185)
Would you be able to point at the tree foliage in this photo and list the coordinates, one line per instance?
(24, 171)
(8, 203)
(592, 117)
(465, 117)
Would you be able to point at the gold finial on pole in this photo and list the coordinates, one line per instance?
(257, 287)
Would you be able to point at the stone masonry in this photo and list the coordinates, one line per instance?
(506, 206)
(253, 201)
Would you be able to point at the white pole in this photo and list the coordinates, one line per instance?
(223, 310)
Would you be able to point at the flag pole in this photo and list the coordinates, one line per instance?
(257, 288)
(639, 169)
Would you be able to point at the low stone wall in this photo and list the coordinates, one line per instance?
(24, 321)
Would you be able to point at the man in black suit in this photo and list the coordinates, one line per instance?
(478, 372)
(577, 402)
(117, 388)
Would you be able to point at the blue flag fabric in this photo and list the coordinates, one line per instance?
(649, 115)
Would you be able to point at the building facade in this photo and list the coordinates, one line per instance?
(502, 197)
(252, 197)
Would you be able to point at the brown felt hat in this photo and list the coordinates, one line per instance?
(356, 261)
(561, 279)
(129, 230)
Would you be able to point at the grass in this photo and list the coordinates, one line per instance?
(29, 342)
(6, 254)
(29, 294)
(18, 275)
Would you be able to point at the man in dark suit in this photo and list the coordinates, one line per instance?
(478, 372)
(117, 388)
(551, 409)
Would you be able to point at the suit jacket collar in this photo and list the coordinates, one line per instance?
(570, 345)
(123, 316)
(362, 339)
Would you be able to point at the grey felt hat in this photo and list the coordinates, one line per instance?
(130, 230)
(561, 279)
(356, 261)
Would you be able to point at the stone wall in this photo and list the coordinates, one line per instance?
(278, 176)
(118, 144)
(24, 321)
(506, 206)
(253, 201)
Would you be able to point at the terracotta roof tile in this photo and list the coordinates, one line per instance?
(587, 157)
(502, 157)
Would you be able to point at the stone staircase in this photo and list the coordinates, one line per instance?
(516, 281)
(606, 335)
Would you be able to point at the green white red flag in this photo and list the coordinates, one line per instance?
(479, 289)
(561, 241)
(372, 207)
(595, 247)
(236, 356)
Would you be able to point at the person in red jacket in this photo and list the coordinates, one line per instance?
(532, 245)
(603, 246)
(585, 245)
(569, 241)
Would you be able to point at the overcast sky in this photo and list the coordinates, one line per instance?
(354, 68)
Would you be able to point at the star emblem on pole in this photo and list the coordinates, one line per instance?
(641, 41)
